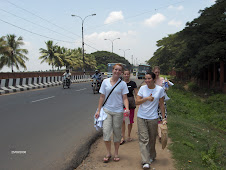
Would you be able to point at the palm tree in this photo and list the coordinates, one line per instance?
(77, 58)
(11, 55)
(70, 59)
(50, 55)
(60, 54)
(90, 62)
(3, 47)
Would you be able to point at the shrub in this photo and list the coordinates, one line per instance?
(192, 86)
(209, 159)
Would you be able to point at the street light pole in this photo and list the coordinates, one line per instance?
(112, 42)
(124, 51)
(83, 58)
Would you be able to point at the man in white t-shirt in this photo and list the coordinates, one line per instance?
(67, 76)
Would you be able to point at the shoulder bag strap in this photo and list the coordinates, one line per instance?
(110, 93)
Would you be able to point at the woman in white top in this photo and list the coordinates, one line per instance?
(149, 97)
(114, 110)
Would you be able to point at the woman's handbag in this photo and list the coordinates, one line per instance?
(164, 134)
(132, 104)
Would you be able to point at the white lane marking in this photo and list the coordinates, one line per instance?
(81, 89)
(42, 99)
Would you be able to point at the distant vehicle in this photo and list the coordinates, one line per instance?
(142, 69)
(110, 67)
(66, 82)
(96, 85)
(135, 71)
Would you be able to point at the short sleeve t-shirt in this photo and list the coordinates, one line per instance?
(148, 109)
(115, 100)
(131, 86)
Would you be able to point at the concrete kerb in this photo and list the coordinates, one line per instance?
(82, 152)
(22, 84)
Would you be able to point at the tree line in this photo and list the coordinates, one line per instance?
(59, 57)
(191, 50)
(13, 56)
(200, 43)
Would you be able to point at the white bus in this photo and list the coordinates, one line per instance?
(142, 69)
(110, 67)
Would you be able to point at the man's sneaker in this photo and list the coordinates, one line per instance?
(146, 166)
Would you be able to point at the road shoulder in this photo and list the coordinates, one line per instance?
(129, 155)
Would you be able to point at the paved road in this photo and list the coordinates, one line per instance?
(49, 124)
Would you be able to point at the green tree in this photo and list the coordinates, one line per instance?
(101, 67)
(206, 37)
(3, 47)
(200, 43)
(11, 54)
(66, 57)
(90, 61)
(51, 55)
(105, 57)
(70, 59)
(76, 57)
(166, 55)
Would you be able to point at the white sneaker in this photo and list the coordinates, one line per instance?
(146, 166)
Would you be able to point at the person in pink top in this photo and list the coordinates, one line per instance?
(161, 82)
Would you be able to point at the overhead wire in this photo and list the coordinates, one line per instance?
(91, 46)
(35, 23)
(34, 32)
(70, 31)
(42, 18)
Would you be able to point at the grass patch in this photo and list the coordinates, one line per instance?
(197, 127)
(192, 86)
(210, 110)
(169, 77)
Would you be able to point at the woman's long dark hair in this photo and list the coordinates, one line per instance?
(152, 74)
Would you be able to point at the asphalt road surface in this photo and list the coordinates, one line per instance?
(40, 129)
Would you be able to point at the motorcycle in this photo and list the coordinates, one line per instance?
(66, 82)
(95, 86)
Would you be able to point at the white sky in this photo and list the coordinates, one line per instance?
(138, 24)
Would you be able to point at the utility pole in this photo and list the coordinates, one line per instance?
(83, 51)
(112, 43)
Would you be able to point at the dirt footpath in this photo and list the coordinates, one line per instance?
(129, 153)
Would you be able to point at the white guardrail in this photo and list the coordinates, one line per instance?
(22, 84)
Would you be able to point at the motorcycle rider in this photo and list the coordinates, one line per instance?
(67, 76)
(97, 76)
